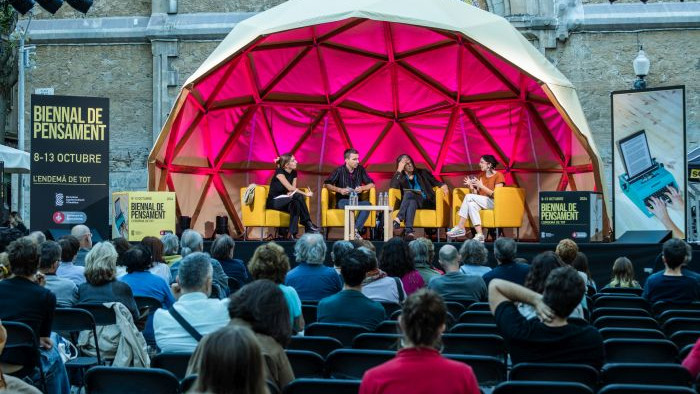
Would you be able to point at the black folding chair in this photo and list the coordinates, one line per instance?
(150, 302)
(640, 351)
(388, 327)
(310, 313)
(391, 307)
(115, 380)
(454, 307)
(683, 353)
(306, 364)
(474, 328)
(352, 363)
(646, 373)
(631, 333)
(489, 371)
(475, 344)
(644, 389)
(187, 383)
(395, 315)
(72, 321)
(607, 311)
(477, 317)
(22, 351)
(684, 338)
(375, 341)
(319, 345)
(173, 362)
(661, 306)
(322, 386)
(680, 324)
(671, 313)
(559, 372)
(521, 387)
(309, 302)
(233, 285)
(618, 301)
(479, 306)
(621, 291)
(345, 333)
(626, 322)
(103, 315)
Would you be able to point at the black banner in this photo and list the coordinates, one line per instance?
(70, 164)
(568, 214)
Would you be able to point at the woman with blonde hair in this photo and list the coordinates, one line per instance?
(623, 274)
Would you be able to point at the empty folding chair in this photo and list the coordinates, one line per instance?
(387, 327)
(72, 321)
(310, 312)
(626, 322)
(661, 306)
(489, 371)
(621, 350)
(319, 345)
(644, 389)
(473, 328)
(395, 315)
(173, 362)
(352, 363)
(475, 344)
(377, 341)
(187, 383)
(479, 317)
(306, 364)
(479, 306)
(322, 386)
(607, 311)
(345, 333)
(391, 307)
(645, 373)
(454, 307)
(618, 301)
(683, 353)
(522, 387)
(115, 380)
(559, 372)
(621, 291)
(671, 313)
(639, 333)
(684, 338)
(680, 324)
(21, 351)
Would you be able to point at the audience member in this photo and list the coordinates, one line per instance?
(37, 237)
(431, 251)
(504, 250)
(121, 245)
(192, 241)
(549, 338)
(623, 274)
(261, 306)
(419, 367)
(11, 384)
(67, 268)
(271, 262)
(567, 250)
(158, 267)
(396, 261)
(542, 265)
(338, 251)
(420, 254)
(203, 314)
(229, 361)
(222, 250)
(310, 278)
(580, 264)
(65, 290)
(692, 361)
(377, 285)
(171, 247)
(455, 285)
(23, 300)
(102, 284)
(83, 234)
(474, 258)
(671, 285)
(350, 306)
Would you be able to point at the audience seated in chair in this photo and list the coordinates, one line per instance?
(205, 315)
(419, 367)
(270, 262)
(552, 339)
(222, 250)
(158, 266)
(474, 257)
(580, 264)
(505, 250)
(191, 242)
(11, 384)
(419, 251)
(310, 278)
(261, 306)
(350, 306)
(65, 290)
(396, 261)
(229, 360)
(67, 268)
(338, 251)
(171, 247)
(623, 274)
(377, 285)
(455, 285)
(671, 285)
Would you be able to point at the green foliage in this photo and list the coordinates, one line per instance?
(8, 18)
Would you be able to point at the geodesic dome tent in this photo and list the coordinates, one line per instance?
(440, 80)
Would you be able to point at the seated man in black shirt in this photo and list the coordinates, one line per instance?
(674, 284)
(508, 268)
(548, 338)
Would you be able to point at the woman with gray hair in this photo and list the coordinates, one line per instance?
(171, 247)
(192, 241)
(474, 257)
(420, 253)
(310, 278)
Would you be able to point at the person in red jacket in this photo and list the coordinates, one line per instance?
(418, 367)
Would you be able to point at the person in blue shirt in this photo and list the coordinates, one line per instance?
(504, 250)
(673, 284)
(311, 279)
(350, 306)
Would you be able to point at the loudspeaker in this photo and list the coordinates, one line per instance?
(645, 237)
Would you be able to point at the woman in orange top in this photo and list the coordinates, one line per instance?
(481, 197)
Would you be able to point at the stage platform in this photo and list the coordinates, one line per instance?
(600, 255)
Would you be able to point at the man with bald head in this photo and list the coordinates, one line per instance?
(82, 232)
(455, 285)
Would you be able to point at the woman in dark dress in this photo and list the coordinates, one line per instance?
(284, 195)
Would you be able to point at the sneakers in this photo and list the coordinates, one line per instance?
(456, 232)
(358, 236)
(479, 237)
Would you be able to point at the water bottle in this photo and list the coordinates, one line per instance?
(353, 198)
(385, 199)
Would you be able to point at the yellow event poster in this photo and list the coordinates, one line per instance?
(136, 215)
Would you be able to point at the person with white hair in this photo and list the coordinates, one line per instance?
(84, 235)
(310, 278)
(171, 247)
(192, 242)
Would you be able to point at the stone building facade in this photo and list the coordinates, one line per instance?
(139, 52)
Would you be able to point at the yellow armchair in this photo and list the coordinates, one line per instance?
(426, 218)
(508, 210)
(333, 217)
(257, 215)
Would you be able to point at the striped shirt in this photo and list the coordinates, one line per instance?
(342, 178)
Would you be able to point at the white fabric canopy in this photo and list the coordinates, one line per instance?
(16, 161)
